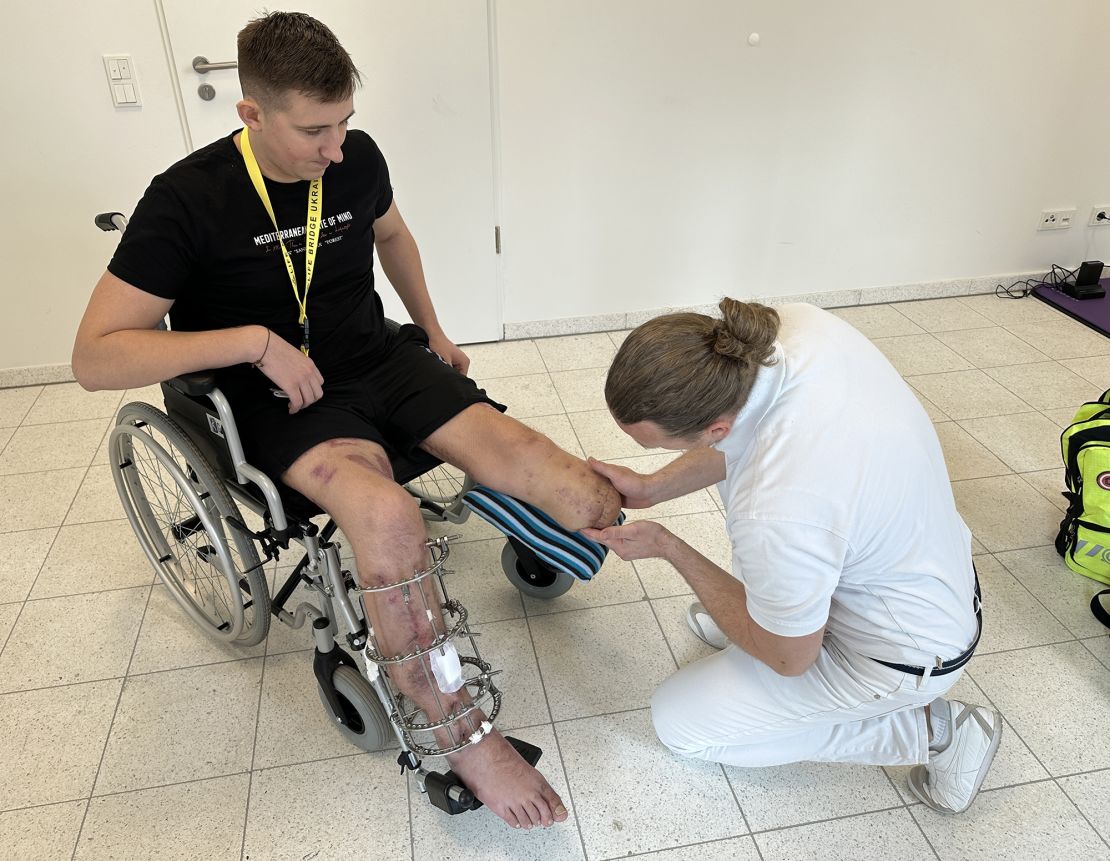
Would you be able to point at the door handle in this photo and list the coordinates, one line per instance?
(202, 66)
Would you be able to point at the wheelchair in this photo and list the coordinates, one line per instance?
(184, 484)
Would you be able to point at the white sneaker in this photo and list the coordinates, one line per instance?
(703, 626)
(949, 782)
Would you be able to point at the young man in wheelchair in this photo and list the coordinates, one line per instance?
(325, 396)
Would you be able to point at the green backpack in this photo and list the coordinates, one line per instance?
(1084, 537)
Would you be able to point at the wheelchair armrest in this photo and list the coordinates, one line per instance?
(196, 384)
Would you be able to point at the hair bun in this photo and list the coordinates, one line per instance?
(747, 331)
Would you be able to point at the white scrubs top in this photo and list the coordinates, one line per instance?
(838, 502)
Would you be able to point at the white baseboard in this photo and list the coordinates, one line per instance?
(829, 299)
(39, 374)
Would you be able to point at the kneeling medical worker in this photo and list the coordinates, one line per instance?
(852, 605)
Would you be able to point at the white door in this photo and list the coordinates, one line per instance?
(425, 99)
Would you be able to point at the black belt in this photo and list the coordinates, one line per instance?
(944, 667)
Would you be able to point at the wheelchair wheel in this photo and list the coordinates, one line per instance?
(530, 574)
(179, 509)
(443, 487)
(368, 727)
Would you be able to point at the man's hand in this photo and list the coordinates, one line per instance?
(635, 488)
(442, 346)
(292, 372)
(644, 539)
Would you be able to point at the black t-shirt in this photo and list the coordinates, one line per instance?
(201, 237)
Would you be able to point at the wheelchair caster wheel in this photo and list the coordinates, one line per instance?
(530, 574)
(366, 725)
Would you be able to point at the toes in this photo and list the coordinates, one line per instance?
(555, 804)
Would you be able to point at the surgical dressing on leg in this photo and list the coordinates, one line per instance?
(447, 668)
(569, 552)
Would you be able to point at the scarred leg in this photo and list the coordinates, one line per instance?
(352, 481)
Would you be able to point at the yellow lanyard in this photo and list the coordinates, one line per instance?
(312, 231)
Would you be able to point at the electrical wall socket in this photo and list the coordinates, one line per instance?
(1056, 219)
(1096, 211)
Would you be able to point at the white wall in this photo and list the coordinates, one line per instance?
(653, 158)
(650, 156)
(65, 154)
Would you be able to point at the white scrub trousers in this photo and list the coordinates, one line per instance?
(734, 709)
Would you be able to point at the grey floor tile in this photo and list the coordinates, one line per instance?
(42, 762)
(706, 533)
(182, 725)
(1088, 792)
(968, 394)
(504, 359)
(163, 823)
(1049, 483)
(23, 554)
(68, 402)
(581, 390)
(351, 807)
(1099, 647)
(41, 833)
(577, 683)
(964, 456)
(1067, 594)
(16, 403)
(292, 724)
(37, 499)
(101, 627)
(735, 849)
(942, 315)
(55, 446)
(786, 795)
(989, 348)
(1028, 687)
(1063, 339)
(572, 352)
(1005, 513)
(1045, 385)
(1005, 311)
(8, 614)
(1024, 441)
(97, 498)
(478, 581)
(920, 354)
(676, 801)
(507, 646)
(601, 438)
(615, 583)
(1094, 370)
(170, 640)
(6, 435)
(1061, 416)
(1013, 618)
(527, 396)
(878, 321)
(1032, 821)
(91, 557)
(883, 836)
(671, 613)
(619, 336)
(482, 836)
(934, 412)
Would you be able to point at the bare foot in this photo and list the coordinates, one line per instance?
(506, 784)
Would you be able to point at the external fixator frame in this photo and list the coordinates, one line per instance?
(416, 728)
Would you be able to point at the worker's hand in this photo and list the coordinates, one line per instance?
(442, 346)
(635, 489)
(292, 372)
(643, 539)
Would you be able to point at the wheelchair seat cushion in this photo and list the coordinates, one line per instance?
(565, 551)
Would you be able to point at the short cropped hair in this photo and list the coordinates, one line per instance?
(290, 51)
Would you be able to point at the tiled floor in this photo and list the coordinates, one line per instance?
(125, 734)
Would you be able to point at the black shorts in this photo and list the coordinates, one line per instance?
(401, 398)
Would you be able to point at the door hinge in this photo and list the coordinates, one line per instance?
(497, 238)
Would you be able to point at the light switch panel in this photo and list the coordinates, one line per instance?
(122, 80)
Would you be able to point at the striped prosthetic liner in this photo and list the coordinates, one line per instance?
(569, 552)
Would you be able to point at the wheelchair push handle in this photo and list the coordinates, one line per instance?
(111, 221)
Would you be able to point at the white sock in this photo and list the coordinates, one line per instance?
(940, 722)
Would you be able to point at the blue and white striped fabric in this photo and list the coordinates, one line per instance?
(569, 552)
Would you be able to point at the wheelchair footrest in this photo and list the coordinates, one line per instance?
(447, 791)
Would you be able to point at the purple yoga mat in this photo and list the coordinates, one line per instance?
(1092, 312)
